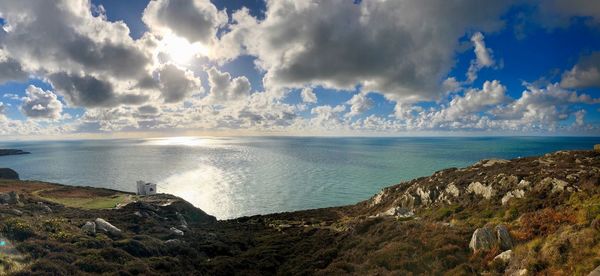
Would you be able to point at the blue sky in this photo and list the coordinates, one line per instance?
(288, 68)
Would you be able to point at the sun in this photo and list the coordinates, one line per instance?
(180, 50)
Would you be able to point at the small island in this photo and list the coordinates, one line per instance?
(4, 152)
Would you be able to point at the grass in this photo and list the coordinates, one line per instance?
(91, 203)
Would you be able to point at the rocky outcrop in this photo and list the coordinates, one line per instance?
(103, 225)
(9, 198)
(399, 212)
(518, 193)
(485, 239)
(9, 174)
(176, 231)
(479, 189)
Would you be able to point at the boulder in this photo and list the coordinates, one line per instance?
(181, 219)
(485, 239)
(103, 225)
(504, 256)
(44, 207)
(398, 212)
(9, 198)
(479, 189)
(512, 194)
(482, 239)
(176, 231)
(89, 228)
(597, 148)
(6, 173)
(503, 237)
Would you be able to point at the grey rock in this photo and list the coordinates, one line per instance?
(595, 272)
(181, 219)
(103, 225)
(504, 256)
(503, 236)
(44, 207)
(89, 228)
(9, 198)
(400, 212)
(482, 239)
(176, 231)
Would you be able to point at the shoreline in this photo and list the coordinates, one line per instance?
(447, 222)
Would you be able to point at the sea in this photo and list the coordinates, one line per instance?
(231, 177)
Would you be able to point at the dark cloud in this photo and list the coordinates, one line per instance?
(89, 91)
(586, 73)
(176, 83)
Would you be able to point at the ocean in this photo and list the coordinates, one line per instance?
(234, 177)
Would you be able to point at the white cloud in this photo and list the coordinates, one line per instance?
(40, 104)
(308, 95)
(359, 103)
(483, 57)
(224, 88)
(381, 45)
(586, 73)
(194, 20)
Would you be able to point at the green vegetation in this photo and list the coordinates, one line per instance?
(100, 202)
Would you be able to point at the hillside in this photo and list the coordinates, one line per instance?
(527, 216)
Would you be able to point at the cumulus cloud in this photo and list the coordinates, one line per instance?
(224, 88)
(483, 57)
(584, 74)
(380, 45)
(88, 91)
(40, 104)
(194, 20)
(64, 35)
(359, 103)
(308, 95)
(177, 83)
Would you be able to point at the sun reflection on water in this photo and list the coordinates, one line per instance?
(206, 188)
(182, 141)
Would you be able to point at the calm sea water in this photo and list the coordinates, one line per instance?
(232, 177)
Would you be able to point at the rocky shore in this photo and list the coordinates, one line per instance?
(527, 216)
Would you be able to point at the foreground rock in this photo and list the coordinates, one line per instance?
(103, 225)
(10, 174)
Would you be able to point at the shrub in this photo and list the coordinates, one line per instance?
(18, 229)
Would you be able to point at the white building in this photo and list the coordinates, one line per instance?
(145, 188)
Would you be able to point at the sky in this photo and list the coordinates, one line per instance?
(113, 68)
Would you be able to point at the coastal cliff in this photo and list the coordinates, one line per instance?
(527, 216)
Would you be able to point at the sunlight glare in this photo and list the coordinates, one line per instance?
(182, 51)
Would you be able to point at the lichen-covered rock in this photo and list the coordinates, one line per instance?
(89, 228)
(491, 162)
(512, 194)
(451, 189)
(503, 237)
(557, 185)
(482, 239)
(398, 212)
(103, 225)
(504, 256)
(377, 198)
(9, 198)
(479, 189)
